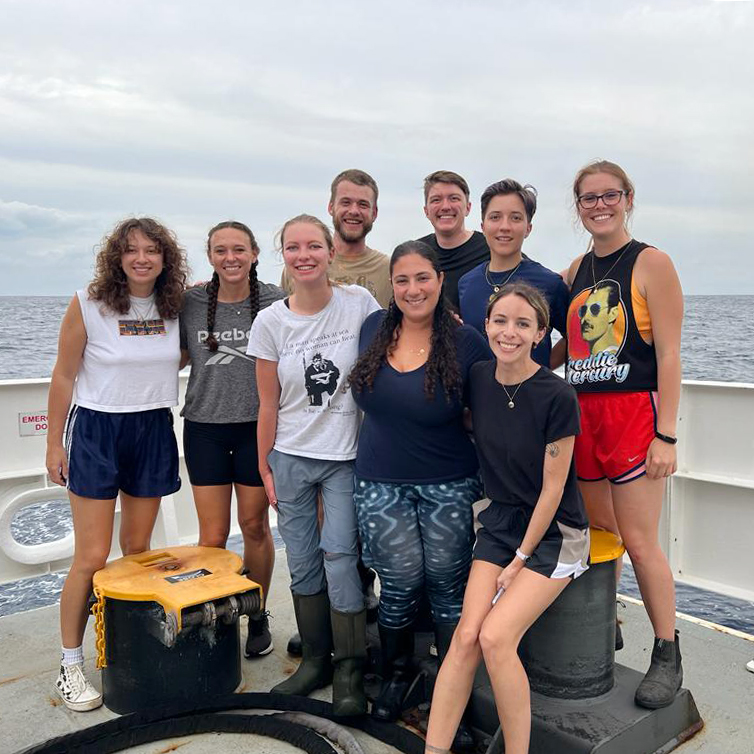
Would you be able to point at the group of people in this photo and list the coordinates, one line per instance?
(372, 401)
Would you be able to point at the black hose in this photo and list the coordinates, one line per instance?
(93, 740)
(136, 735)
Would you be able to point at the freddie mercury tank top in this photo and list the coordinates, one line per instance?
(605, 349)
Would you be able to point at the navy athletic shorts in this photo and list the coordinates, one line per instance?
(218, 454)
(133, 452)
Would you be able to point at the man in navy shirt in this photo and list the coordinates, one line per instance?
(507, 212)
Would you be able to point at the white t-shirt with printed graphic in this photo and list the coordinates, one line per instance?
(317, 416)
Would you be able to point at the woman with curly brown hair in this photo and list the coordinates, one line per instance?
(222, 406)
(416, 468)
(118, 359)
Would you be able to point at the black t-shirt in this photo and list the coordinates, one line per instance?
(406, 438)
(511, 442)
(458, 261)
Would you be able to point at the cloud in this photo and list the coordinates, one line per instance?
(195, 112)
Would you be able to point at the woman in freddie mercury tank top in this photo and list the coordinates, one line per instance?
(624, 338)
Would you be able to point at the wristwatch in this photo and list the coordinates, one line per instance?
(666, 438)
(521, 555)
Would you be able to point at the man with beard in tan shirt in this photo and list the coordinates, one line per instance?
(353, 208)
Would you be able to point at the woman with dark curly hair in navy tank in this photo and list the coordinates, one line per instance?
(416, 468)
(220, 414)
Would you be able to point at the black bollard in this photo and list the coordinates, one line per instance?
(569, 653)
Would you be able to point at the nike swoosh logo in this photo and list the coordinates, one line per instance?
(631, 460)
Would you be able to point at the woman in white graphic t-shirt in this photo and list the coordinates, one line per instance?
(308, 424)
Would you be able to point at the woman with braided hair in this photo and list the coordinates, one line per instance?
(416, 468)
(220, 414)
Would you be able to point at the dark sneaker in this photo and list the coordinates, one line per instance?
(259, 640)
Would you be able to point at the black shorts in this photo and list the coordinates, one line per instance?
(562, 552)
(134, 452)
(221, 453)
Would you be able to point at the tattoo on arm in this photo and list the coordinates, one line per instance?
(553, 449)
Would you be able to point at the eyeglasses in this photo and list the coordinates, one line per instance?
(609, 198)
(594, 310)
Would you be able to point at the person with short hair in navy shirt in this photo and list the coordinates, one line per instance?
(507, 212)
(416, 468)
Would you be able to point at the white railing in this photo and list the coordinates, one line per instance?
(707, 527)
(24, 481)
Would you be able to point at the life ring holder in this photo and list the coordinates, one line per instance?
(45, 552)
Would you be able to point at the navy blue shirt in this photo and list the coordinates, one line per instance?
(474, 293)
(406, 438)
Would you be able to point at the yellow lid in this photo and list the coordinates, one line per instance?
(174, 577)
(605, 546)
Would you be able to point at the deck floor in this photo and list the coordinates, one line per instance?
(714, 666)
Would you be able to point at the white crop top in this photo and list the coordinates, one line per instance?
(129, 363)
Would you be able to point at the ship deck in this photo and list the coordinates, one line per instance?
(714, 663)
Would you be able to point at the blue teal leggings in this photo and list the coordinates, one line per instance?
(418, 537)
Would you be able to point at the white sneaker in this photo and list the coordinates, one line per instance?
(73, 688)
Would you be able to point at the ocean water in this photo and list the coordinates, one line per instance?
(711, 348)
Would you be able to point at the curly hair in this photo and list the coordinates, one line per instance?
(442, 364)
(213, 286)
(110, 284)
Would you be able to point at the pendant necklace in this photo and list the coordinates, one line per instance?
(143, 315)
(511, 404)
(612, 266)
(496, 287)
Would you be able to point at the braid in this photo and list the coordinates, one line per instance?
(212, 288)
(253, 291)
(368, 364)
(442, 364)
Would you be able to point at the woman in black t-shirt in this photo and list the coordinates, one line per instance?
(534, 535)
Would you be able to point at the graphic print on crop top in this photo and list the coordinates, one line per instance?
(597, 334)
(606, 352)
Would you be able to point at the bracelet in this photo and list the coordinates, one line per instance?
(521, 555)
(666, 438)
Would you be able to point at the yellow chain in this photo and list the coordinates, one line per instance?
(98, 610)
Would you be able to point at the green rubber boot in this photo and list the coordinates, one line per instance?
(315, 670)
(349, 632)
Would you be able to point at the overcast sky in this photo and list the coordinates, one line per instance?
(196, 112)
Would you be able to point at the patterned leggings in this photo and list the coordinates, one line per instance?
(417, 537)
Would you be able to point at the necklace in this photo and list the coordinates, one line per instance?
(511, 404)
(145, 314)
(418, 351)
(496, 287)
(620, 256)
